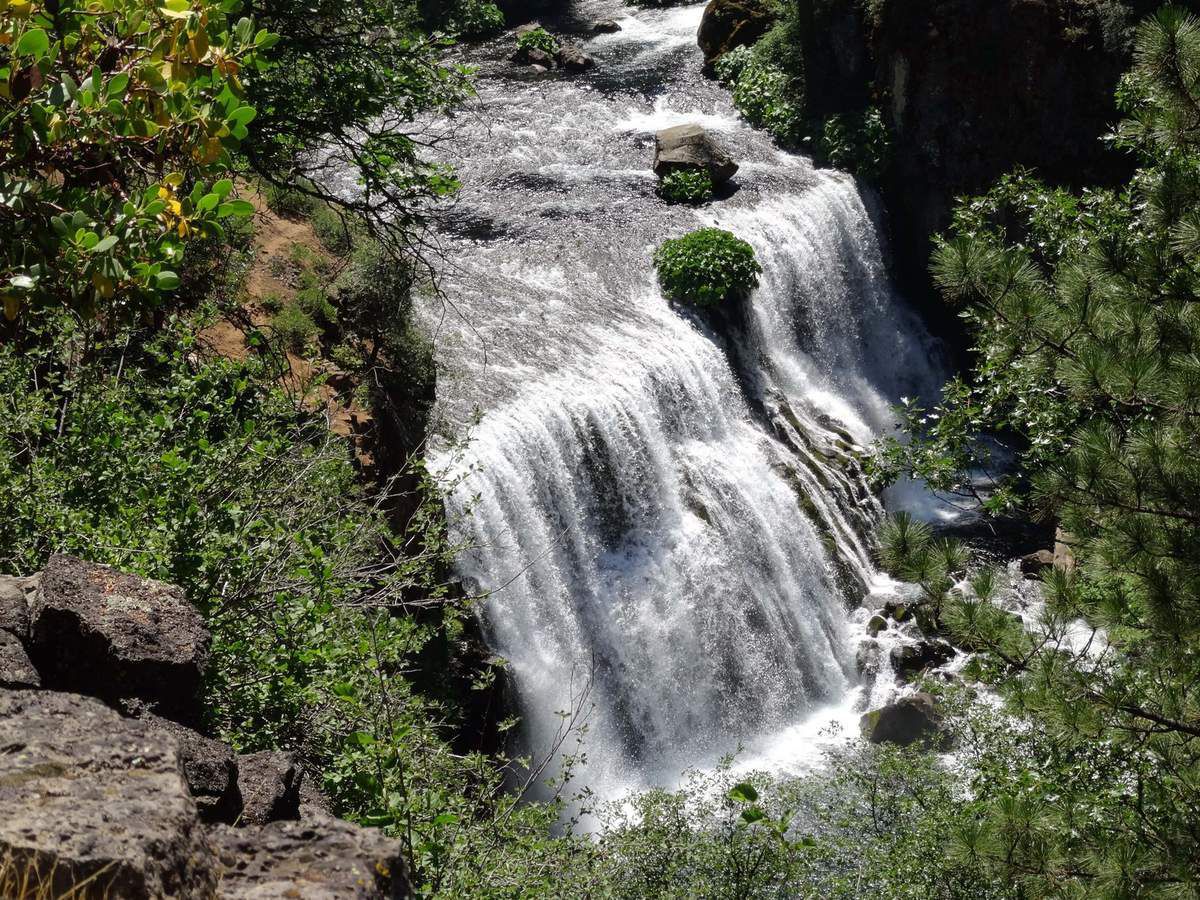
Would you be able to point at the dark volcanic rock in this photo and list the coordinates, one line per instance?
(208, 766)
(729, 24)
(84, 791)
(573, 59)
(325, 859)
(16, 671)
(908, 720)
(269, 783)
(606, 26)
(115, 636)
(16, 595)
(691, 147)
(911, 659)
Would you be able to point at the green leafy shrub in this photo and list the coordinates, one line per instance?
(331, 229)
(116, 149)
(764, 94)
(537, 39)
(858, 144)
(686, 186)
(475, 19)
(706, 267)
(729, 66)
(287, 201)
(294, 327)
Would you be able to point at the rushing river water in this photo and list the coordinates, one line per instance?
(666, 504)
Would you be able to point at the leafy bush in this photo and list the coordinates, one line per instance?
(101, 223)
(686, 186)
(286, 201)
(764, 94)
(706, 267)
(331, 228)
(537, 39)
(294, 327)
(857, 144)
(475, 19)
(729, 66)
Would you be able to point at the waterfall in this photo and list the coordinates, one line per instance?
(670, 507)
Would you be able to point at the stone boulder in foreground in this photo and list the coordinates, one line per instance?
(909, 720)
(85, 793)
(104, 633)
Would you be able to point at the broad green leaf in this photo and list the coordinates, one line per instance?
(743, 792)
(33, 43)
(105, 244)
(235, 208)
(166, 281)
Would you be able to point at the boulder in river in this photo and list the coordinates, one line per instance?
(911, 659)
(573, 59)
(107, 634)
(85, 792)
(876, 624)
(908, 720)
(691, 147)
(606, 26)
(1034, 564)
(729, 24)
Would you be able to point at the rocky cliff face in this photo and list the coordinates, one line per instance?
(973, 89)
(105, 788)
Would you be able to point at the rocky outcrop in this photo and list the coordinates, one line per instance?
(912, 659)
(16, 596)
(16, 671)
(127, 802)
(86, 793)
(209, 768)
(269, 783)
(321, 860)
(911, 719)
(1033, 565)
(691, 147)
(876, 624)
(729, 24)
(97, 631)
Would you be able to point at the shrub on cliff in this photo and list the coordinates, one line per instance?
(706, 267)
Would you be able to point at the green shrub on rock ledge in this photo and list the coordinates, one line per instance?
(706, 267)
(686, 186)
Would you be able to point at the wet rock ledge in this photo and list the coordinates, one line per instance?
(105, 781)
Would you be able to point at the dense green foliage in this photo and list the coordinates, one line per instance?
(706, 267)
(350, 80)
(686, 186)
(114, 121)
(1083, 311)
(537, 39)
(768, 85)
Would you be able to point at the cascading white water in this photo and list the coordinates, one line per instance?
(672, 504)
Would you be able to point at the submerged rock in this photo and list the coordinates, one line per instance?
(106, 634)
(729, 24)
(85, 792)
(325, 859)
(691, 147)
(908, 720)
(876, 624)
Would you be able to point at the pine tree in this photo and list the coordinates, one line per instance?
(1086, 315)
